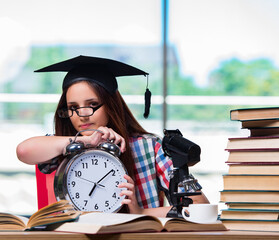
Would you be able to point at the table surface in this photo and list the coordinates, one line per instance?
(240, 235)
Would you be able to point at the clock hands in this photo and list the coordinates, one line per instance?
(92, 182)
(98, 183)
(105, 175)
(94, 186)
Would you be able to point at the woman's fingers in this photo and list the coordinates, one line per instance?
(126, 185)
(126, 201)
(129, 192)
(129, 186)
(129, 179)
(105, 134)
(94, 139)
(110, 134)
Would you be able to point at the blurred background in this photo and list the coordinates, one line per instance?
(204, 59)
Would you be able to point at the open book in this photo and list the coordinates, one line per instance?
(99, 223)
(57, 212)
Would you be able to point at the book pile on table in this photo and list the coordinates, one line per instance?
(251, 187)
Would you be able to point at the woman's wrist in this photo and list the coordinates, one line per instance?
(68, 148)
(85, 140)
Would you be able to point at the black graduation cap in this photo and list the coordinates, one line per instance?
(99, 70)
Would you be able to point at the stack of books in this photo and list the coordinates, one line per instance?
(251, 187)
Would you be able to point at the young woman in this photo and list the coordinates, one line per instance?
(90, 100)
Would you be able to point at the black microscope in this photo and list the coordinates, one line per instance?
(184, 154)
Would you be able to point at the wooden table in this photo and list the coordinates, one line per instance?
(226, 235)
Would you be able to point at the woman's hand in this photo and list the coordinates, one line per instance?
(132, 202)
(130, 199)
(102, 135)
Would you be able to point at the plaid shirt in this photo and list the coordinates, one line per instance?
(151, 169)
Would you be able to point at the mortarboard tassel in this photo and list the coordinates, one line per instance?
(147, 98)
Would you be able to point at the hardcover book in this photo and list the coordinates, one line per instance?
(252, 225)
(264, 142)
(252, 196)
(260, 155)
(268, 123)
(249, 214)
(253, 205)
(254, 113)
(254, 168)
(258, 132)
(251, 182)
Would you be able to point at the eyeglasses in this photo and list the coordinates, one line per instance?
(80, 111)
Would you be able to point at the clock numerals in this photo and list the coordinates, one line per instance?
(77, 195)
(78, 173)
(94, 161)
(84, 165)
(73, 183)
(93, 181)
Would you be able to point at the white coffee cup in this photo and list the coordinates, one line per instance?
(201, 213)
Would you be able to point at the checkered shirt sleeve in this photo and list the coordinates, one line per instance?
(49, 166)
(151, 166)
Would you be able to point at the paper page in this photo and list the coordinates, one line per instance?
(24, 219)
(10, 217)
(164, 220)
(106, 219)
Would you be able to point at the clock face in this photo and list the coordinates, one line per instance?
(92, 180)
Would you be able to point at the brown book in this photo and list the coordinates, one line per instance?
(268, 123)
(254, 113)
(263, 206)
(252, 225)
(264, 156)
(251, 196)
(251, 182)
(265, 142)
(245, 214)
(260, 169)
(99, 223)
(257, 132)
(57, 212)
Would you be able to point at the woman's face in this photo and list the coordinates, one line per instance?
(81, 94)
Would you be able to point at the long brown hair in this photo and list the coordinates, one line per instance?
(121, 120)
